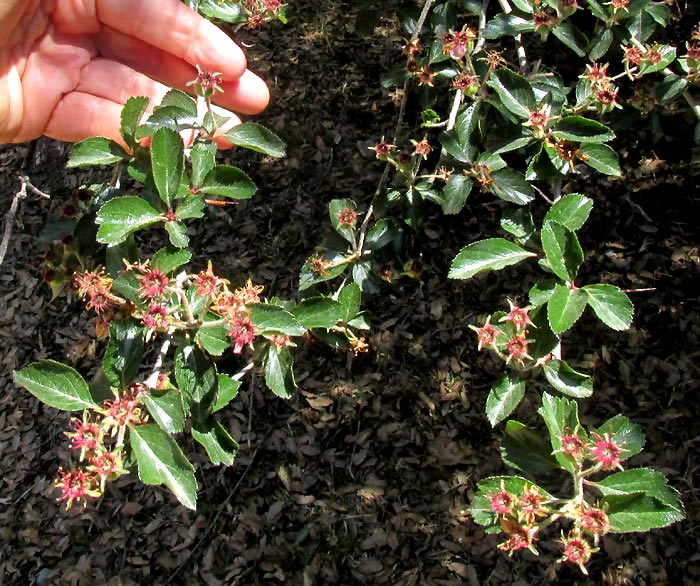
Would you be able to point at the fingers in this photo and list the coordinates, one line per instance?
(94, 108)
(171, 26)
(247, 94)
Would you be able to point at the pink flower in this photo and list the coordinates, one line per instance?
(572, 445)
(520, 537)
(153, 283)
(502, 502)
(517, 348)
(531, 502)
(518, 316)
(347, 217)
(576, 551)
(85, 436)
(487, 334)
(594, 521)
(156, 317)
(76, 486)
(243, 333)
(606, 452)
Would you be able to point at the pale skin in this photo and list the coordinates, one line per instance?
(68, 66)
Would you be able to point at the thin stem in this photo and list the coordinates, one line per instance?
(522, 57)
(482, 25)
(152, 381)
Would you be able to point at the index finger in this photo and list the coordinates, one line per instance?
(175, 28)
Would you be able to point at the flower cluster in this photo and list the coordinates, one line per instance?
(603, 90)
(260, 11)
(97, 287)
(232, 306)
(510, 340)
(519, 517)
(601, 450)
(100, 442)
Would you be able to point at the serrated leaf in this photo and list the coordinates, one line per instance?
(96, 150)
(670, 88)
(131, 118)
(179, 99)
(540, 293)
(486, 255)
(255, 137)
(514, 92)
(55, 384)
(545, 339)
(611, 304)
(177, 233)
(190, 207)
(382, 233)
(216, 440)
(568, 381)
(511, 186)
(455, 193)
(564, 307)
(580, 129)
(196, 378)
(273, 319)
(602, 158)
(480, 508)
(227, 391)
(571, 211)
(318, 312)
(638, 512)
(203, 158)
(124, 352)
(170, 118)
(452, 146)
(336, 266)
(230, 12)
(629, 436)
(667, 54)
(279, 377)
(213, 339)
(507, 25)
(167, 163)
(350, 298)
(562, 249)
(518, 222)
(525, 449)
(504, 398)
(161, 461)
(600, 44)
(228, 181)
(561, 417)
(166, 409)
(166, 260)
(572, 37)
(122, 216)
(638, 481)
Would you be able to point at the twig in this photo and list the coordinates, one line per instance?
(482, 25)
(152, 381)
(522, 57)
(25, 189)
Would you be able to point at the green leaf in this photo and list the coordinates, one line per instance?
(455, 193)
(481, 507)
(504, 397)
(571, 211)
(255, 137)
(668, 54)
(602, 158)
(124, 352)
(464, 153)
(228, 181)
(561, 417)
(172, 118)
(309, 277)
(350, 298)
(179, 99)
(220, 446)
(166, 409)
(511, 186)
(611, 305)
(580, 129)
(507, 25)
(568, 381)
(564, 307)
(227, 392)
(562, 249)
(518, 222)
(363, 274)
(191, 206)
(203, 158)
(167, 163)
(382, 233)
(166, 260)
(122, 216)
(638, 512)
(572, 37)
(230, 12)
(600, 44)
(486, 255)
(670, 88)
(55, 384)
(177, 232)
(540, 293)
(131, 118)
(318, 312)
(545, 339)
(161, 461)
(272, 319)
(96, 151)
(196, 378)
(514, 91)
(279, 377)
(629, 436)
(525, 449)
(213, 339)
(638, 481)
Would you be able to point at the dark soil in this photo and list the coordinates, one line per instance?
(365, 477)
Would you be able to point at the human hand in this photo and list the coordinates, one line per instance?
(68, 66)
